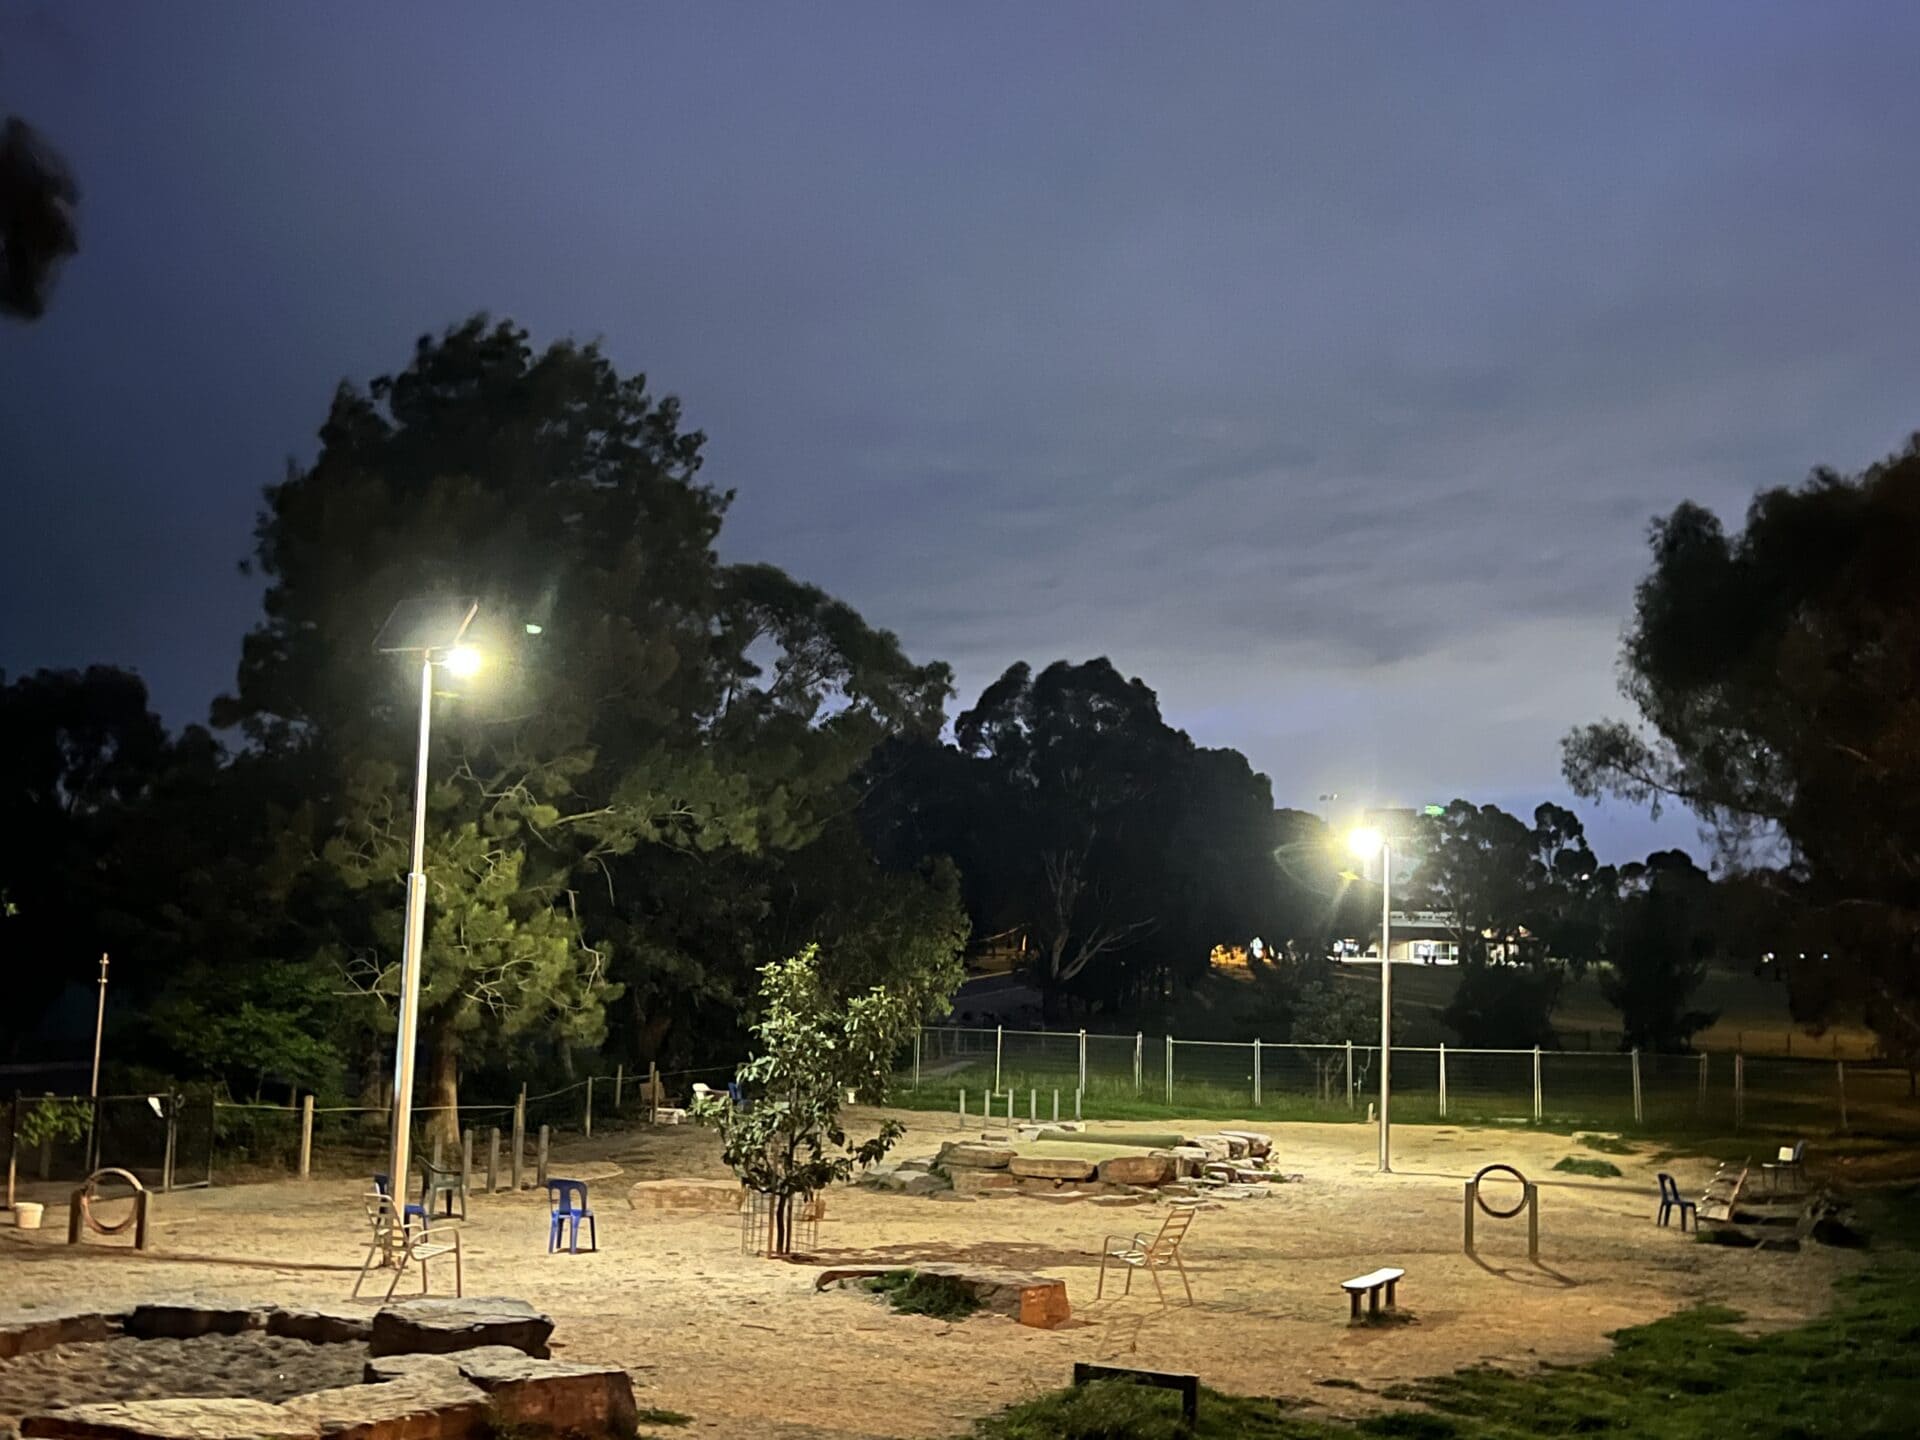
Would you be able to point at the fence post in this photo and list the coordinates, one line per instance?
(1349, 1074)
(306, 1137)
(588, 1126)
(1056, 1107)
(1536, 1082)
(1083, 1059)
(916, 1058)
(963, 1109)
(1840, 1076)
(998, 1031)
(1703, 1084)
(166, 1159)
(493, 1158)
(13, 1147)
(1256, 1071)
(619, 1083)
(1033, 1107)
(1139, 1054)
(213, 1132)
(1639, 1110)
(546, 1140)
(518, 1159)
(1739, 1089)
(1169, 1069)
(1443, 1080)
(1076, 1104)
(466, 1157)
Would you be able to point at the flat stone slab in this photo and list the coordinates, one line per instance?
(439, 1327)
(711, 1197)
(24, 1337)
(420, 1406)
(974, 1155)
(1137, 1170)
(545, 1395)
(320, 1327)
(189, 1322)
(969, 1181)
(172, 1420)
(1051, 1167)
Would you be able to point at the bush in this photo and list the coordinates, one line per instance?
(911, 1293)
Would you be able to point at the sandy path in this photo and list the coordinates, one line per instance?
(746, 1346)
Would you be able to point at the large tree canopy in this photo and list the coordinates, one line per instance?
(649, 726)
(37, 227)
(1776, 671)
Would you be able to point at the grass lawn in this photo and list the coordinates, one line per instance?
(1853, 1374)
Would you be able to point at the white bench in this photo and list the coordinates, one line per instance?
(1371, 1285)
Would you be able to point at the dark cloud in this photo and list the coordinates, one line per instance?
(1320, 364)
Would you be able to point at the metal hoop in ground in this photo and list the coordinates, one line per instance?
(1529, 1201)
(80, 1209)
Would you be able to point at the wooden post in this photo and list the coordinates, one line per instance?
(619, 1083)
(166, 1159)
(1256, 1072)
(13, 1148)
(1083, 1059)
(1639, 1110)
(546, 1141)
(1840, 1078)
(1443, 1080)
(587, 1123)
(1169, 1069)
(493, 1158)
(1473, 1195)
(916, 1059)
(1349, 1074)
(306, 1137)
(1533, 1221)
(518, 1159)
(653, 1091)
(1139, 1054)
(213, 1119)
(466, 1157)
(1739, 1090)
(1536, 1082)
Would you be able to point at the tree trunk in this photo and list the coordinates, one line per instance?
(440, 1096)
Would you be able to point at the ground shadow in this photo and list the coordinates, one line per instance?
(1533, 1273)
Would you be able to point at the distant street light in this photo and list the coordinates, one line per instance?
(433, 629)
(1365, 843)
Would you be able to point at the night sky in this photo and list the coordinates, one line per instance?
(1322, 365)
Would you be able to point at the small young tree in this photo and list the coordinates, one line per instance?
(787, 1142)
(1332, 1011)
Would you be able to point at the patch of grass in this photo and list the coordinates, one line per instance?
(1605, 1144)
(911, 1293)
(1585, 1165)
(1852, 1374)
(663, 1417)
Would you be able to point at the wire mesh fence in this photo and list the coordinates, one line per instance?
(1140, 1076)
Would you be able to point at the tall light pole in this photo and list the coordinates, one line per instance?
(1365, 843)
(432, 629)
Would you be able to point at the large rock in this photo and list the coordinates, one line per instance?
(1259, 1143)
(439, 1327)
(422, 1406)
(974, 1155)
(1187, 1159)
(189, 1322)
(701, 1197)
(27, 1336)
(549, 1396)
(320, 1327)
(173, 1420)
(1137, 1170)
(1221, 1147)
(967, 1181)
(1051, 1167)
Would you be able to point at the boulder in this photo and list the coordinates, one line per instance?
(1259, 1143)
(439, 1327)
(1187, 1159)
(968, 1181)
(974, 1155)
(320, 1327)
(172, 1420)
(189, 1322)
(422, 1406)
(1137, 1170)
(552, 1397)
(1221, 1147)
(709, 1197)
(1051, 1167)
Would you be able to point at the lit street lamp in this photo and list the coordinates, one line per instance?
(1365, 843)
(433, 629)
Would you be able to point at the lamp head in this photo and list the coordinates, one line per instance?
(1365, 842)
(463, 661)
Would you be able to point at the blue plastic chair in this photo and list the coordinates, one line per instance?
(383, 1183)
(737, 1093)
(1670, 1201)
(569, 1198)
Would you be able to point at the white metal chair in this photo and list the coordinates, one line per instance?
(1152, 1256)
(389, 1235)
(1790, 1165)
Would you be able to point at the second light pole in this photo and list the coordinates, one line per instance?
(1366, 843)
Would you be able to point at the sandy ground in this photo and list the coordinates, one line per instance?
(746, 1346)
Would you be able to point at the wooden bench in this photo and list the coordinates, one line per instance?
(1371, 1285)
(1188, 1385)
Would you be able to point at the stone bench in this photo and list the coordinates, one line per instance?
(1033, 1300)
(1370, 1285)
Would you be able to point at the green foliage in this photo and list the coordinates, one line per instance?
(51, 1119)
(911, 1293)
(1605, 1144)
(1585, 1165)
(655, 1416)
(812, 1048)
(38, 232)
(1501, 1006)
(1659, 954)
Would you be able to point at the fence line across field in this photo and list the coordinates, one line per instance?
(1439, 1082)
